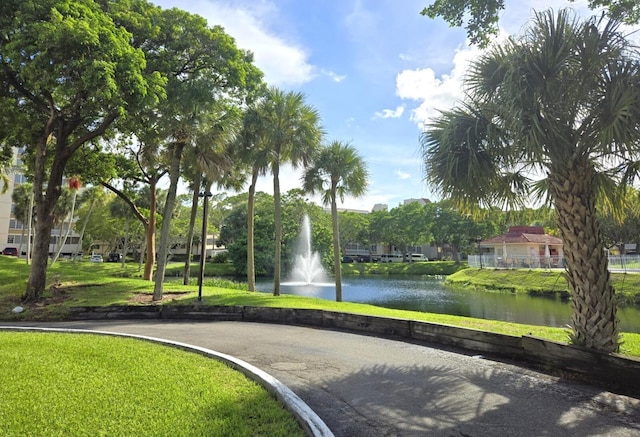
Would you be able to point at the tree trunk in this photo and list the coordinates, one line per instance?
(24, 231)
(125, 245)
(594, 320)
(45, 204)
(278, 228)
(192, 223)
(174, 175)
(68, 231)
(84, 224)
(150, 233)
(251, 262)
(30, 226)
(337, 267)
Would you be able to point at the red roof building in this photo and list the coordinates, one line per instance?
(523, 246)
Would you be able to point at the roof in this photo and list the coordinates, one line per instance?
(523, 235)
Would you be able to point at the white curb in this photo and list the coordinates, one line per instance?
(306, 417)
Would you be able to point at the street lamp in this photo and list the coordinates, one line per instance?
(203, 251)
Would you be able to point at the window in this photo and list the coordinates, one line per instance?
(19, 178)
(15, 224)
(21, 151)
(11, 239)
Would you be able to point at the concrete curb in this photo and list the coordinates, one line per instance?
(310, 422)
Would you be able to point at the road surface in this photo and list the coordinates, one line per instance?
(370, 387)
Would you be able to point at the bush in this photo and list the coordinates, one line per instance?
(220, 258)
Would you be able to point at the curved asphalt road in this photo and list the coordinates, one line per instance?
(369, 387)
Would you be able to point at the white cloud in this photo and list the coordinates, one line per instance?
(434, 93)
(283, 62)
(389, 113)
(334, 76)
(402, 175)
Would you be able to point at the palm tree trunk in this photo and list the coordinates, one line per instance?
(68, 231)
(192, 224)
(278, 229)
(24, 230)
(150, 233)
(251, 263)
(594, 320)
(84, 225)
(30, 226)
(337, 267)
(125, 246)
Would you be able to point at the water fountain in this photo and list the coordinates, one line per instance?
(307, 268)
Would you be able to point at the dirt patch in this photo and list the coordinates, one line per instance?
(148, 298)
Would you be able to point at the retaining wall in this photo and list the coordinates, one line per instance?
(615, 372)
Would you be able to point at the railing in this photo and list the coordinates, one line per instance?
(625, 263)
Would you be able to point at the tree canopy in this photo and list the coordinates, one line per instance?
(67, 72)
(482, 16)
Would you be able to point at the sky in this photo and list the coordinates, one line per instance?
(376, 71)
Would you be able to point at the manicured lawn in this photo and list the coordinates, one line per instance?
(627, 285)
(55, 384)
(84, 283)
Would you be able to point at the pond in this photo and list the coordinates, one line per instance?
(428, 294)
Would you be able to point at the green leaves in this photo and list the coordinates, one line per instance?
(337, 170)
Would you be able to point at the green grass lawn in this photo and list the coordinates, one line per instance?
(83, 283)
(627, 285)
(60, 384)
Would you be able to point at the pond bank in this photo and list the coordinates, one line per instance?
(430, 268)
(538, 281)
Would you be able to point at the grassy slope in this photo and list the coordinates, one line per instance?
(627, 285)
(84, 283)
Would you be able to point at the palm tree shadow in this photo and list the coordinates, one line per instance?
(487, 400)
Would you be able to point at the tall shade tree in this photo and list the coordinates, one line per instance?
(67, 72)
(338, 170)
(561, 101)
(482, 15)
(284, 130)
(209, 77)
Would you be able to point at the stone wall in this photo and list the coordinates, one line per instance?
(614, 372)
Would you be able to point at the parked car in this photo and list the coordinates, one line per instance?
(364, 259)
(10, 251)
(114, 257)
(347, 259)
(415, 257)
(96, 258)
(390, 258)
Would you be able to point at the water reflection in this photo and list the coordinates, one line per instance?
(428, 294)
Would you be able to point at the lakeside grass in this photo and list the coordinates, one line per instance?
(540, 281)
(59, 384)
(83, 283)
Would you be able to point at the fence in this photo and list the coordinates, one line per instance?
(618, 263)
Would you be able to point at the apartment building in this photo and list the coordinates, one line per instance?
(13, 230)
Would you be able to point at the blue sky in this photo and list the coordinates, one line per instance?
(376, 70)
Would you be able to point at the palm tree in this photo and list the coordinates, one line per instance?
(284, 130)
(253, 151)
(338, 170)
(208, 162)
(561, 101)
